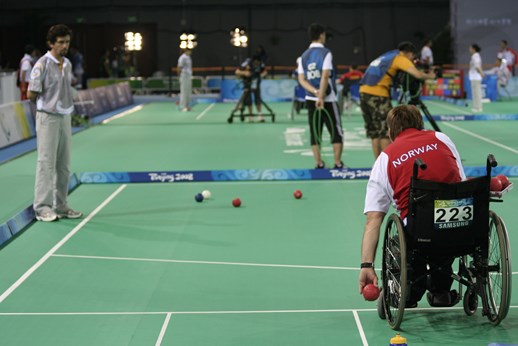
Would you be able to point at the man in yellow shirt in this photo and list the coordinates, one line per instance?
(375, 91)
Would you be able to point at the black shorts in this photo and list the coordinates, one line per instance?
(248, 97)
(329, 116)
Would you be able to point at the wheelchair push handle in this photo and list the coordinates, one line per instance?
(491, 163)
(418, 163)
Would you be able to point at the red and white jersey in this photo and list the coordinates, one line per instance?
(389, 181)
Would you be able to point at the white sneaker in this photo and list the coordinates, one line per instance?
(68, 214)
(46, 216)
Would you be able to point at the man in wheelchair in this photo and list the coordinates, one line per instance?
(390, 183)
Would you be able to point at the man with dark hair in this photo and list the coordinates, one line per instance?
(375, 91)
(389, 182)
(317, 77)
(25, 69)
(51, 88)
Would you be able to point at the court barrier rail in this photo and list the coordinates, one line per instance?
(24, 218)
(281, 88)
(17, 119)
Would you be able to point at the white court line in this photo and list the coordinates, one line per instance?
(58, 245)
(474, 134)
(440, 104)
(220, 312)
(123, 114)
(205, 111)
(360, 328)
(162, 331)
(205, 262)
(482, 138)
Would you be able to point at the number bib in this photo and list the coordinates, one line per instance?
(453, 213)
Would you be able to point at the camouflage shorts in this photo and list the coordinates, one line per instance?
(374, 111)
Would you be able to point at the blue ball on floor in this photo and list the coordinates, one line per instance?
(198, 197)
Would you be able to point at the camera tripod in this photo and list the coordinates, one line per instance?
(240, 107)
(427, 114)
(416, 101)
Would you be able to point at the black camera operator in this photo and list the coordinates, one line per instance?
(251, 71)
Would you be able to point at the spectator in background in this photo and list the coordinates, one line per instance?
(349, 79)
(509, 55)
(427, 54)
(501, 71)
(475, 77)
(184, 71)
(26, 64)
(105, 70)
(261, 53)
(77, 60)
(51, 88)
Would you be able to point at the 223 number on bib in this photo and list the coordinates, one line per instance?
(453, 213)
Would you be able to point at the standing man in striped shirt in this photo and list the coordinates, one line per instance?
(50, 87)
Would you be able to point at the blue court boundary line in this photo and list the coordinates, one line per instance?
(19, 222)
(255, 175)
(24, 218)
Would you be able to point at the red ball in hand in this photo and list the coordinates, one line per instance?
(297, 194)
(495, 184)
(371, 292)
(504, 180)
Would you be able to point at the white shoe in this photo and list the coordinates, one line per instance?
(46, 216)
(476, 110)
(68, 214)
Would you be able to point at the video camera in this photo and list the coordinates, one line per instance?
(410, 85)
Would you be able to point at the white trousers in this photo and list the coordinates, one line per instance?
(185, 90)
(54, 139)
(476, 94)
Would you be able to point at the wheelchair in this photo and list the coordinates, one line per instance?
(448, 220)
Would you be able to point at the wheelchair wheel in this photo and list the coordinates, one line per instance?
(394, 271)
(498, 283)
(470, 302)
(380, 306)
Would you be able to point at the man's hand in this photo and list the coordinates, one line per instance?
(320, 102)
(367, 276)
(32, 96)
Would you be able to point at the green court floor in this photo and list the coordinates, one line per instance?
(150, 266)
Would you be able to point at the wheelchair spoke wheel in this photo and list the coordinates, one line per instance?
(498, 284)
(394, 271)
